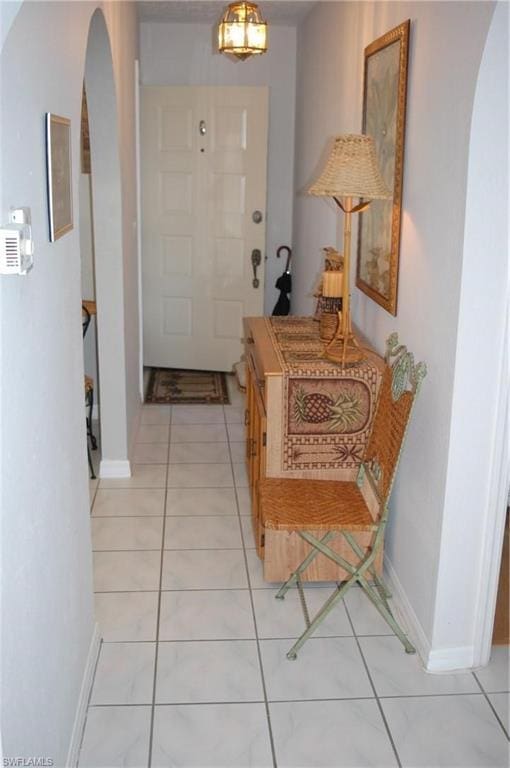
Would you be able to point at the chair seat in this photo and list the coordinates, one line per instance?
(328, 505)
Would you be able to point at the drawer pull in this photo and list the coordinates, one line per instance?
(246, 417)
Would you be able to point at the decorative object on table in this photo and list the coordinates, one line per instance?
(328, 304)
(284, 284)
(351, 170)
(345, 522)
(242, 31)
(58, 166)
(172, 385)
(384, 108)
(328, 324)
(332, 290)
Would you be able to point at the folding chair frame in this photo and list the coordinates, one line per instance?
(404, 375)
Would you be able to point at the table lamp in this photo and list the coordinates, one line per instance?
(351, 170)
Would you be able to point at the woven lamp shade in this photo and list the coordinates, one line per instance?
(351, 170)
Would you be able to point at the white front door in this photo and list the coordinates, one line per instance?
(203, 163)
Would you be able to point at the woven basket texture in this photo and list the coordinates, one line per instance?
(388, 432)
(292, 504)
(351, 170)
(328, 505)
(328, 322)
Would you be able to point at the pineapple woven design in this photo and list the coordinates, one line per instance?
(341, 407)
(327, 410)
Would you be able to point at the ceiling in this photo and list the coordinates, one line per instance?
(284, 12)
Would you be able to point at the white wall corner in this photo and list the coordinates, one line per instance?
(435, 661)
(83, 700)
(114, 469)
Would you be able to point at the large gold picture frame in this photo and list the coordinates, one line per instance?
(384, 111)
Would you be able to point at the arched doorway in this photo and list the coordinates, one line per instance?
(109, 270)
(484, 295)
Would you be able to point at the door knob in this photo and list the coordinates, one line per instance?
(256, 259)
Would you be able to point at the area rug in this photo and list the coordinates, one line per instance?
(172, 385)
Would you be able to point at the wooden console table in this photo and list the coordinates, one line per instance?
(306, 417)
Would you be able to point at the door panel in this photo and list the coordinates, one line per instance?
(199, 191)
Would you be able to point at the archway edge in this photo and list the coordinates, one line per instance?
(109, 266)
(478, 475)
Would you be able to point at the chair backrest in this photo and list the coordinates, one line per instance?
(399, 387)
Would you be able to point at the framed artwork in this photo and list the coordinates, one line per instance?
(384, 109)
(58, 163)
(85, 135)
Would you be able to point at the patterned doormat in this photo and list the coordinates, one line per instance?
(171, 385)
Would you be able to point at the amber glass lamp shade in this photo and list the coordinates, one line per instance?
(242, 31)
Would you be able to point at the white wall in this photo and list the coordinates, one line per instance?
(46, 550)
(88, 288)
(183, 54)
(8, 11)
(447, 41)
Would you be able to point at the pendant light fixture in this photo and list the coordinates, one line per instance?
(242, 31)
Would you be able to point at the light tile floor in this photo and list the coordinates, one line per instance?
(192, 669)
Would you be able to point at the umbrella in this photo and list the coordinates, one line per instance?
(284, 284)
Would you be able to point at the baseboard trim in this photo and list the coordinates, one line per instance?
(404, 612)
(460, 659)
(114, 469)
(435, 661)
(81, 711)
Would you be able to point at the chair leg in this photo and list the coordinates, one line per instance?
(381, 586)
(320, 616)
(93, 440)
(377, 594)
(91, 466)
(363, 566)
(383, 608)
(89, 404)
(294, 577)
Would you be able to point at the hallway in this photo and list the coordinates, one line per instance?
(192, 668)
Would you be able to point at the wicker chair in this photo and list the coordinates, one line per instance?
(321, 510)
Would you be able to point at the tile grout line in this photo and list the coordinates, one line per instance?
(257, 639)
(248, 639)
(158, 614)
(372, 684)
(278, 701)
(491, 705)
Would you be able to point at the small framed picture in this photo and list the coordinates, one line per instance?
(58, 162)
